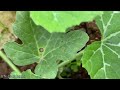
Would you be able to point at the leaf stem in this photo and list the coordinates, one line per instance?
(2, 55)
(68, 61)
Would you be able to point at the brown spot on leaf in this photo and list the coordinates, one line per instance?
(41, 49)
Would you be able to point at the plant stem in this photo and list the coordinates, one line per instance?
(68, 61)
(2, 55)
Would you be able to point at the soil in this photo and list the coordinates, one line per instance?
(81, 74)
(94, 35)
(7, 18)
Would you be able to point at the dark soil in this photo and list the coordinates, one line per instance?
(94, 35)
(81, 74)
(91, 29)
(4, 68)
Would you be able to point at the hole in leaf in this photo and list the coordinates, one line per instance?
(18, 41)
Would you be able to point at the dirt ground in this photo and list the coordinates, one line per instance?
(6, 20)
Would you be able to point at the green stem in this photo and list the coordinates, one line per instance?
(60, 66)
(9, 62)
(68, 61)
(59, 76)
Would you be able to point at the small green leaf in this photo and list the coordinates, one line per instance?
(15, 75)
(25, 75)
(102, 58)
(42, 47)
(59, 21)
(74, 67)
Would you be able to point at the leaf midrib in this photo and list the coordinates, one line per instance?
(105, 28)
(43, 56)
(35, 38)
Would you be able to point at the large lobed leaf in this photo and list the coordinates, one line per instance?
(59, 21)
(102, 59)
(41, 46)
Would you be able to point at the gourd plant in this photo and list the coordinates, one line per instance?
(46, 42)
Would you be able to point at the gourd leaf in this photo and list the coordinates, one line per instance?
(102, 58)
(59, 21)
(42, 47)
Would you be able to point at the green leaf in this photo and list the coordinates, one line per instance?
(15, 75)
(25, 75)
(102, 58)
(59, 21)
(74, 67)
(42, 47)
